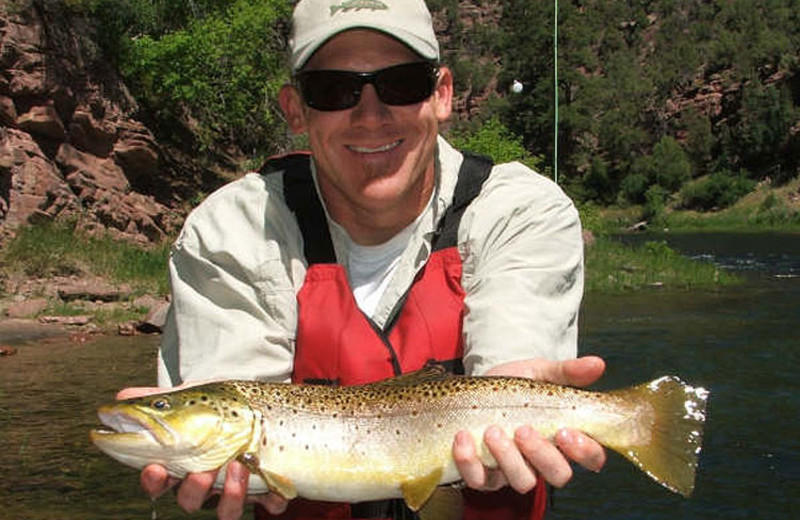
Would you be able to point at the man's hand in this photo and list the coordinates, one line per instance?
(528, 453)
(196, 488)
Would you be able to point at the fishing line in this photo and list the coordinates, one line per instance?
(555, 91)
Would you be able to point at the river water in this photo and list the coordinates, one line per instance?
(741, 343)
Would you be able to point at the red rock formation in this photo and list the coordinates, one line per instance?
(69, 142)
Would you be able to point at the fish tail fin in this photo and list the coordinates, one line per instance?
(675, 427)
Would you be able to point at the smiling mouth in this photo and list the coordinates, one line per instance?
(377, 149)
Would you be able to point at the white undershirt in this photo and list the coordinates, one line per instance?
(371, 268)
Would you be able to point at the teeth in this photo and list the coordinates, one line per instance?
(384, 148)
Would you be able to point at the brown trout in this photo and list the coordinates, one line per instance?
(392, 438)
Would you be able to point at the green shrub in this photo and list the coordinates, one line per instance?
(718, 191)
(221, 73)
(655, 202)
(633, 187)
(493, 139)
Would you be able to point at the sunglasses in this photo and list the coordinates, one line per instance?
(330, 90)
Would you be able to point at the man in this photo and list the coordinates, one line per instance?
(383, 251)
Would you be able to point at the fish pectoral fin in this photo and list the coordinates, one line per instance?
(276, 483)
(417, 491)
(279, 484)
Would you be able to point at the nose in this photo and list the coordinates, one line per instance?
(370, 110)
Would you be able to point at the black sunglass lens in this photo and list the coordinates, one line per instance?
(405, 84)
(330, 90)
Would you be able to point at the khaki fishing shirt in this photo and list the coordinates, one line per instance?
(238, 264)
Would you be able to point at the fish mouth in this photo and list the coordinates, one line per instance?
(130, 427)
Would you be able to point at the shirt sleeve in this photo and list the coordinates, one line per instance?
(232, 274)
(522, 247)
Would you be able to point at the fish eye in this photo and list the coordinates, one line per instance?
(160, 404)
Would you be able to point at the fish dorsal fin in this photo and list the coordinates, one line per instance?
(417, 491)
(276, 483)
(429, 373)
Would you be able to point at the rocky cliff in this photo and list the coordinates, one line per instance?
(70, 141)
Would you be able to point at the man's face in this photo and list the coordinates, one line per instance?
(374, 161)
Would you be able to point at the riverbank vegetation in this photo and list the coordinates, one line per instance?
(48, 251)
(61, 249)
(612, 266)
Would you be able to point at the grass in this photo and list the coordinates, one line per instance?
(767, 208)
(615, 267)
(60, 249)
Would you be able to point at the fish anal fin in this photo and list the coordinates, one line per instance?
(417, 491)
(446, 503)
(276, 483)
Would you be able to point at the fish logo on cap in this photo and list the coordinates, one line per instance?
(357, 5)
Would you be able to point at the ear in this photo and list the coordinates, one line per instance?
(293, 109)
(443, 95)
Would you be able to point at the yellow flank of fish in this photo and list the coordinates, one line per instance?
(392, 438)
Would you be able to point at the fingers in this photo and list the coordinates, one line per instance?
(581, 448)
(466, 458)
(272, 502)
(139, 391)
(526, 458)
(510, 461)
(194, 490)
(234, 492)
(472, 470)
(156, 481)
(543, 455)
(582, 371)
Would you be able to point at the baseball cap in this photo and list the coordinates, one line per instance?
(317, 21)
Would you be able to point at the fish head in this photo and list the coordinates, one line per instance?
(190, 430)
